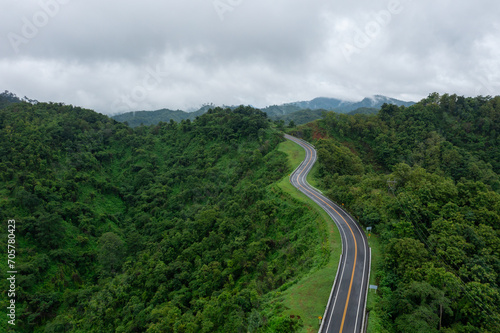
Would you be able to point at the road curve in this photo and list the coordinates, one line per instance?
(345, 310)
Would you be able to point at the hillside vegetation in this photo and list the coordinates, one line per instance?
(426, 178)
(177, 227)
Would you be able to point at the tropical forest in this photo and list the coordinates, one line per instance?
(192, 225)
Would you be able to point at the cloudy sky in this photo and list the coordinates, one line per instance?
(115, 56)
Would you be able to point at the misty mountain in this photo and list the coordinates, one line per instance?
(324, 103)
(333, 104)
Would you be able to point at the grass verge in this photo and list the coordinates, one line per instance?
(375, 324)
(308, 297)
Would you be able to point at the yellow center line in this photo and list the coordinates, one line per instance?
(354, 238)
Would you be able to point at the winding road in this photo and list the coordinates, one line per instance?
(345, 311)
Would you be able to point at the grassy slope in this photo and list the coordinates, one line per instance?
(308, 297)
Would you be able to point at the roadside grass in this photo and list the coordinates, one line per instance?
(309, 296)
(312, 177)
(296, 153)
(375, 324)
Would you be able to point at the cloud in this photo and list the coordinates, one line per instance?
(116, 56)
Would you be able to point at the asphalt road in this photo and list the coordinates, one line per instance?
(346, 307)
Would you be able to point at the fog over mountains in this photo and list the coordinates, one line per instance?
(345, 106)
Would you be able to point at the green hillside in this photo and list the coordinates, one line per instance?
(178, 227)
(146, 118)
(307, 115)
(426, 178)
(364, 110)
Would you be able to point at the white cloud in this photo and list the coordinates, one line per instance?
(180, 54)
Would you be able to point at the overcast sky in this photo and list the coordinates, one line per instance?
(115, 56)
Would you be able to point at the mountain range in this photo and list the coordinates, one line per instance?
(303, 111)
(299, 112)
(346, 106)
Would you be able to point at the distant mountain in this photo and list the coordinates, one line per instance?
(374, 102)
(307, 111)
(320, 103)
(337, 105)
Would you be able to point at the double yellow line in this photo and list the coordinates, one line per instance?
(354, 238)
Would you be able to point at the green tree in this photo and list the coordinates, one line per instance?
(111, 252)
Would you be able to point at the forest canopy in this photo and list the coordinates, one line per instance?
(175, 227)
(180, 227)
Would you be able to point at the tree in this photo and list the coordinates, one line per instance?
(47, 229)
(111, 252)
(338, 159)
